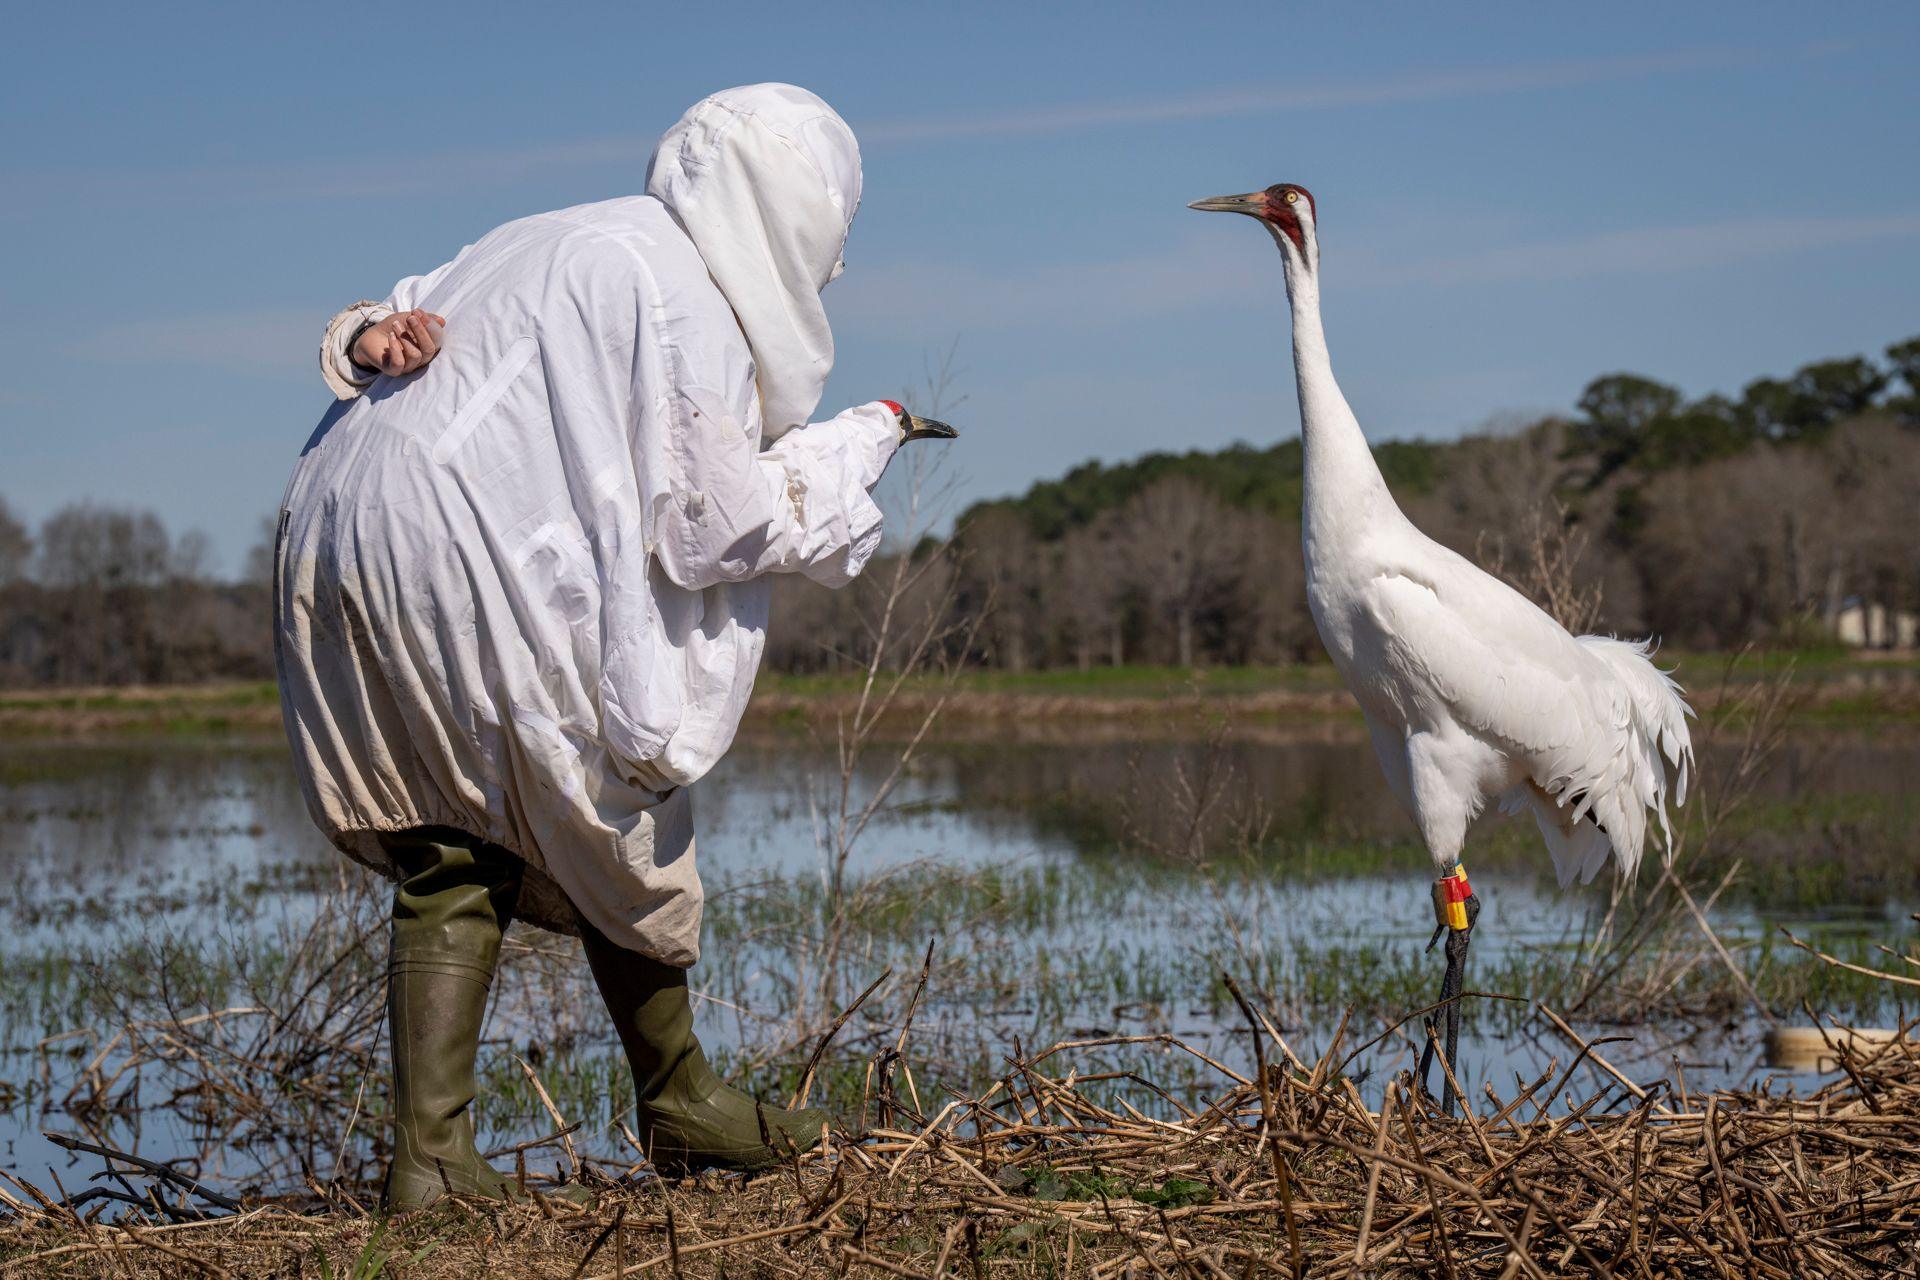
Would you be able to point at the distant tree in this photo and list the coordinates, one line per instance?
(102, 567)
(1171, 551)
(1002, 558)
(1089, 596)
(1617, 413)
(259, 570)
(1877, 469)
(814, 628)
(1732, 550)
(1239, 475)
(1813, 400)
(1711, 427)
(1759, 543)
(191, 557)
(1493, 482)
(16, 547)
(1905, 359)
(1771, 410)
(1840, 389)
(1265, 618)
(102, 548)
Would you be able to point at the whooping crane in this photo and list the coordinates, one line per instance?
(1471, 693)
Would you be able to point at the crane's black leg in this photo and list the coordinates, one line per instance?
(1458, 926)
(1426, 1051)
(1458, 940)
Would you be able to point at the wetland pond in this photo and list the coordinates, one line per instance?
(1074, 884)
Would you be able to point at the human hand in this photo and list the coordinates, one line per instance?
(402, 343)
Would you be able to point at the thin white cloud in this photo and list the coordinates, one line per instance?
(1678, 248)
(373, 177)
(1419, 86)
(480, 168)
(276, 340)
(1222, 272)
(954, 295)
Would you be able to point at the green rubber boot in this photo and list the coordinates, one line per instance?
(449, 913)
(689, 1118)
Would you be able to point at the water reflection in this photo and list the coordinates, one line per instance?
(96, 821)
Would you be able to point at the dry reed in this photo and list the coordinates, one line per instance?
(1054, 1173)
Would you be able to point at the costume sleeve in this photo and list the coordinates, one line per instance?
(801, 506)
(343, 377)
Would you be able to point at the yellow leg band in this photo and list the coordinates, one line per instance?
(1450, 893)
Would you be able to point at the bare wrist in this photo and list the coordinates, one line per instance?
(353, 349)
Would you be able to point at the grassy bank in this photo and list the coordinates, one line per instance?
(1836, 687)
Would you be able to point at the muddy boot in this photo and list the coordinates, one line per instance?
(449, 912)
(689, 1119)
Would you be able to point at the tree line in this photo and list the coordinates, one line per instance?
(1708, 522)
(104, 595)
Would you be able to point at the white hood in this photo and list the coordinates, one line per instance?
(765, 180)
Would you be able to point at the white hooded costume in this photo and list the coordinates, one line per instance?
(521, 592)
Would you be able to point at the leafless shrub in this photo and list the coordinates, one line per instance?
(268, 1061)
(1195, 809)
(915, 643)
(1544, 562)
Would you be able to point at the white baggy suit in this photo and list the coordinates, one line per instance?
(522, 592)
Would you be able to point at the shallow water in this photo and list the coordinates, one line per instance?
(102, 844)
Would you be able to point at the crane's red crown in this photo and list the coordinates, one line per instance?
(1282, 210)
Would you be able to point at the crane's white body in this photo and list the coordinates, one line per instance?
(1471, 692)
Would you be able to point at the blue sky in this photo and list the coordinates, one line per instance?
(1512, 199)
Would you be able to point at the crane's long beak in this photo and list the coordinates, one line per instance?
(1251, 203)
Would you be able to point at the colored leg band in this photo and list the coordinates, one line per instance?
(1450, 894)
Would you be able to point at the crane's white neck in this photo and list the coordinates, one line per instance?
(1344, 488)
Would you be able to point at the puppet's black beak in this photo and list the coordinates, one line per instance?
(914, 427)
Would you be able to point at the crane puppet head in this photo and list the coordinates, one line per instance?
(1286, 209)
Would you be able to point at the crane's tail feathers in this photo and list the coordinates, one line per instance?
(1645, 760)
(1578, 846)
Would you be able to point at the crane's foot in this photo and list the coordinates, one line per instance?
(1458, 909)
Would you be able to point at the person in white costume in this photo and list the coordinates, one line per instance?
(521, 593)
